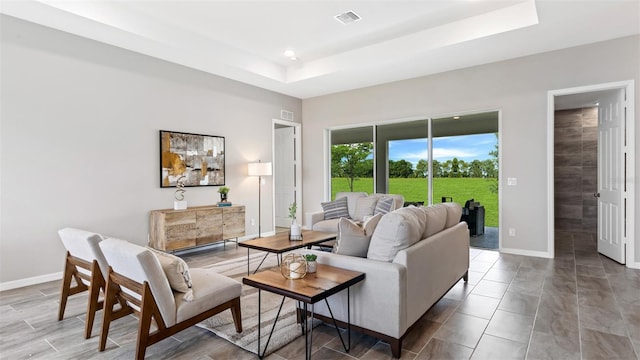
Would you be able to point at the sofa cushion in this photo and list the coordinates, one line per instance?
(210, 290)
(384, 205)
(436, 218)
(454, 213)
(335, 209)
(352, 199)
(353, 240)
(365, 206)
(396, 230)
(330, 225)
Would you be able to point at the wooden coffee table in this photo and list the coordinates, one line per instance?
(280, 243)
(318, 286)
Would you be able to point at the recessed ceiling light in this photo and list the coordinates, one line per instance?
(347, 17)
(456, 117)
(289, 53)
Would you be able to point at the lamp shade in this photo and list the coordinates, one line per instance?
(260, 169)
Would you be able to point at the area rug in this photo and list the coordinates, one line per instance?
(222, 325)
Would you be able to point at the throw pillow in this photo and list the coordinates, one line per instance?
(454, 213)
(353, 240)
(335, 209)
(177, 272)
(396, 231)
(365, 206)
(384, 205)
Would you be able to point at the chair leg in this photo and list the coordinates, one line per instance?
(144, 323)
(237, 316)
(93, 305)
(66, 286)
(109, 301)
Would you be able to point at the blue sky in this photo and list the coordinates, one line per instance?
(464, 147)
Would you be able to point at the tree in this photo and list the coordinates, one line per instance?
(475, 169)
(436, 168)
(400, 169)
(422, 168)
(348, 161)
(493, 171)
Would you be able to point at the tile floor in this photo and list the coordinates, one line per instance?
(579, 305)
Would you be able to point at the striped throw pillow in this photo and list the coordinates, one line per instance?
(384, 205)
(335, 209)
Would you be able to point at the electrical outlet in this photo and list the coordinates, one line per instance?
(253, 222)
(512, 232)
(512, 181)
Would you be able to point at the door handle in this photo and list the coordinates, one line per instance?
(596, 195)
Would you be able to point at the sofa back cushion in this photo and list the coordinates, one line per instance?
(365, 206)
(396, 230)
(454, 213)
(436, 217)
(335, 209)
(353, 240)
(352, 199)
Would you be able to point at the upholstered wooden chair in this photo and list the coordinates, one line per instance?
(86, 266)
(137, 282)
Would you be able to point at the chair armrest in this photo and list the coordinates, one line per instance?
(312, 218)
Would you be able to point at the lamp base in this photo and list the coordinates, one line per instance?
(180, 205)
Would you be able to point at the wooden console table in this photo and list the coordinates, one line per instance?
(171, 230)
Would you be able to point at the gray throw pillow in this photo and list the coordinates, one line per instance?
(384, 205)
(335, 209)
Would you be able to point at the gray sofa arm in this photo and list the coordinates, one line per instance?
(313, 217)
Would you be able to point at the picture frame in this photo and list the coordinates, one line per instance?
(199, 158)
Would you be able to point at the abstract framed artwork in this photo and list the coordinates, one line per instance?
(199, 158)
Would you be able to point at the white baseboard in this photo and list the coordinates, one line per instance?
(541, 254)
(633, 265)
(30, 281)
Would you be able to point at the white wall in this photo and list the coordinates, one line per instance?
(517, 87)
(79, 143)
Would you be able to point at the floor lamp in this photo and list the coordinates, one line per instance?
(259, 169)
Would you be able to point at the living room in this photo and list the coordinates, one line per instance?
(86, 115)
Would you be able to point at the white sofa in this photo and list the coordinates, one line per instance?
(316, 220)
(395, 294)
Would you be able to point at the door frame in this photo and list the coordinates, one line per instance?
(298, 164)
(630, 238)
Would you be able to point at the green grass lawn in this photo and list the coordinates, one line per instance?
(415, 189)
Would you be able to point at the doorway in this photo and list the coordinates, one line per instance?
(591, 162)
(286, 171)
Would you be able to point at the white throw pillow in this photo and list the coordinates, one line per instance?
(396, 230)
(436, 218)
(365, 207)
(176, 271)
(353, 240)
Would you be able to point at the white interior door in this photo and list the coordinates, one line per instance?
(284, 172)
(611, 176)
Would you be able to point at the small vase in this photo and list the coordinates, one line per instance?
(312, 266)
(223, 197)
(295, 229)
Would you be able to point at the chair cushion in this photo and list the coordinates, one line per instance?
(84, 245)
(365, 206)
(139, 264)
(210, 289)
(177, 272)
(384, 205)
(335, 209)
(396, 230)
(353, 240)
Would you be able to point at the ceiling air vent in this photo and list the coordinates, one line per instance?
(348, 17)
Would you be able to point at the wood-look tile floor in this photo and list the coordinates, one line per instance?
(579, 305)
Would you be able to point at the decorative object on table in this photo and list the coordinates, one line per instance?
(295, 232)
(259, 169)
(293, 266)
(224, 191)
(199, 158)
(180, 203)
(312, 264)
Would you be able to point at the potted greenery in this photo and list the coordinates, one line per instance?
(295, 228)
(223, 193)
(312, 264)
